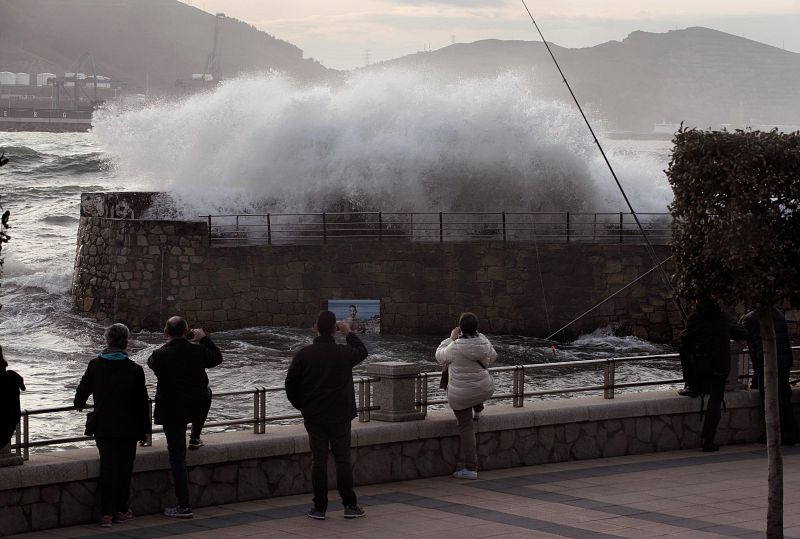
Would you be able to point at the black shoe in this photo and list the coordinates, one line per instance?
(687, 392)
(353, 511)
(710, 447)
(316, 514)
(195, 443)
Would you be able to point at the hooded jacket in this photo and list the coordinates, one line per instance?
(120, 395)
(470, 383)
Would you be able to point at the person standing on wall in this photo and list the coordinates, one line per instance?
(11, 383)
(319, 383)
(466, 354)
(789, 430)
(181, 396)
(706, 341)
(121, 418)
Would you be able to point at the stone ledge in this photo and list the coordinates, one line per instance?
(82, 464)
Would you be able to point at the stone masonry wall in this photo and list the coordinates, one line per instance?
(140, 272)
(59, 489)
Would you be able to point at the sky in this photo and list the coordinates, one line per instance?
(345, 34)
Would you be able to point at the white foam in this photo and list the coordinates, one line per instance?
(392, 140)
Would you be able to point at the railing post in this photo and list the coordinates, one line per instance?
(237, 226)
(256, 412)
(594, 228)
(19, 440)
(519, 387)
(263, 410)
(27, 440)
(620, 227)
(148, 438)
(567, 227)
(269, 230)
(209, 230)
(380, 226)
(361, 399)
(441, 228)
(368, 399)
(324, 229)
(608, 379)
(504, 226)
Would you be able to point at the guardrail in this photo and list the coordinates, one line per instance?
(294, 228)
(259, 419)
(518, 372)
(517, 395)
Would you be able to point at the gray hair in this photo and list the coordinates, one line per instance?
(117, 336)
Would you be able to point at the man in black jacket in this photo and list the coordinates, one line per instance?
(319, 383)
(707, 339)
(750, 321)
(181, 396)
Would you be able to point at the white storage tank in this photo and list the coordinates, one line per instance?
(197, 76)
(8, 78)
(23, 79)
(41, 78)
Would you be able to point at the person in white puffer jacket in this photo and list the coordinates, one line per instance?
(466, 354)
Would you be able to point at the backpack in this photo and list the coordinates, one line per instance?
(702, 371)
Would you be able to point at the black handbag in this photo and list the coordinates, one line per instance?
(91, 424)
(445, 378)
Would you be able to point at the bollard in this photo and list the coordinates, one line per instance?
(394, 392)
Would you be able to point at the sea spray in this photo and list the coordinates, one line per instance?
(392, 140)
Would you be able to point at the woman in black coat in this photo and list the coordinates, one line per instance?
(122, 418)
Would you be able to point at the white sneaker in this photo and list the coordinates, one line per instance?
(465, 474)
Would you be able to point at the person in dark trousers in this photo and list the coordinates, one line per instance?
(181, 396)
(750, 321)
(708, 333)
(122, 417)
(319, 383)
(11, 383)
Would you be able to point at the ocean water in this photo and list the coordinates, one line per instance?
(377, 143)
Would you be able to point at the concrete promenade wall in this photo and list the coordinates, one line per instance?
(58, 489)
(141, 271)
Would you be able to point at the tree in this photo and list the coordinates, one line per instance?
(737, 236)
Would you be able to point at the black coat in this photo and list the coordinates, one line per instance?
(120, 397)
(182, 390)
(711, 330)
(319, 382)
(10, 385)
(752, 324)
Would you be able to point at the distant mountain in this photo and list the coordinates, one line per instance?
(700, 76)
(153, 42)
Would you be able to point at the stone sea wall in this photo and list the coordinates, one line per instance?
(140, 271)
(58, 489)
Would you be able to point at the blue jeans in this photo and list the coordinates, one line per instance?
(176, 446)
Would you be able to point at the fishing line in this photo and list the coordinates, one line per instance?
(650, 249)
(639, 278)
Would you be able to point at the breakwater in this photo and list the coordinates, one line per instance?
(140, 270)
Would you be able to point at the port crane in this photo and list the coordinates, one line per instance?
(213, 71)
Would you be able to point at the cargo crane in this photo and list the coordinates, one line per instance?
(79, 83)
(214, 64)
(213, 71)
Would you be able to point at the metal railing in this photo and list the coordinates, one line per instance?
(518, 391)
(299, 228)
(23, 442)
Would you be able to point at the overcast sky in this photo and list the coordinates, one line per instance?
(339, 33)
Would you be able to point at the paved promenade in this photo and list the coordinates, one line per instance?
(686, 494)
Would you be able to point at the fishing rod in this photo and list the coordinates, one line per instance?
(650, 249)
(639, 278)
